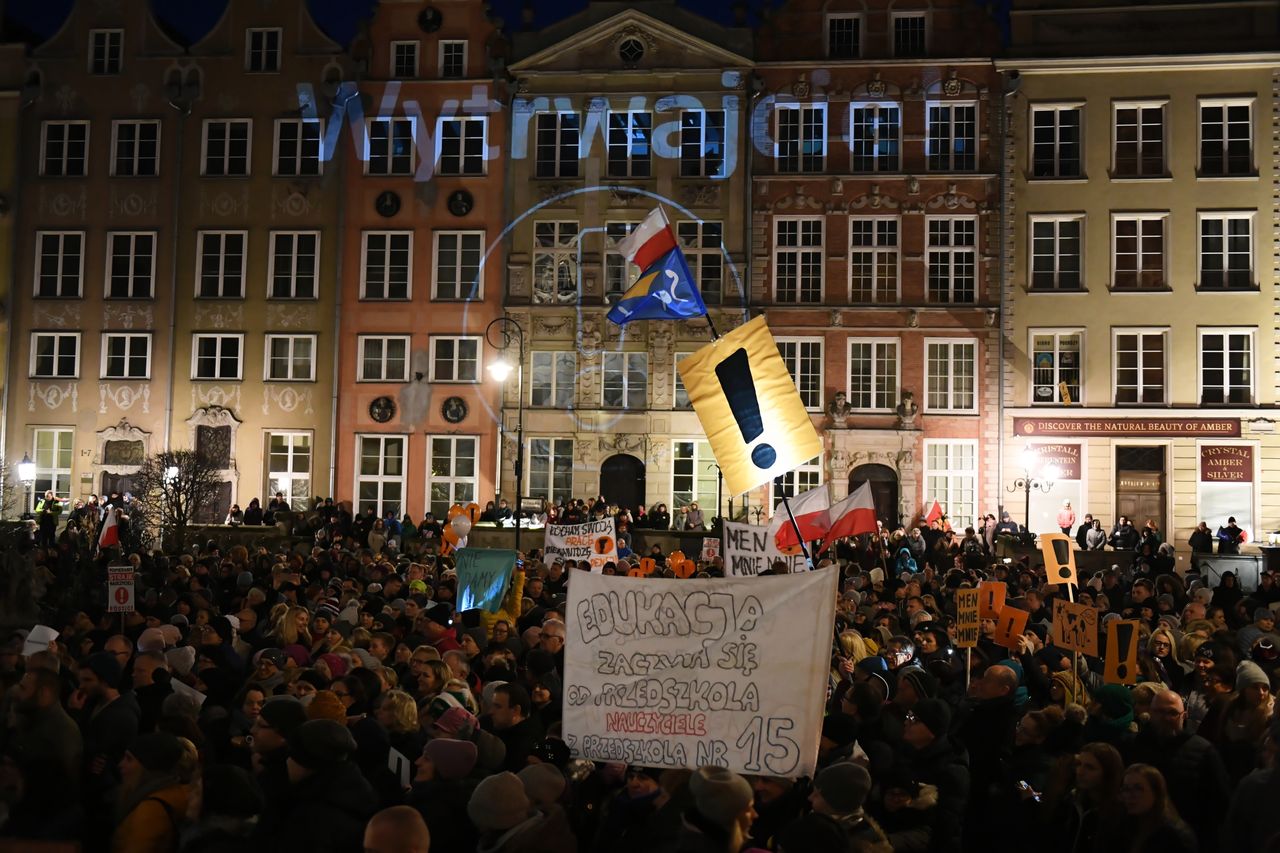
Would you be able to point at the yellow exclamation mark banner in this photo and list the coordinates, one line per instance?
(749, 407)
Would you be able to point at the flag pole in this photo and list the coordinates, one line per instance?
(804, 549)
(715, 336)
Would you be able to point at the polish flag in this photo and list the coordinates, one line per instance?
(935, 513)
(854, 515)
(813, 516)
(110, 534)
(652, 239)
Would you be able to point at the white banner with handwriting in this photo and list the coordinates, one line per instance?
(748, 551)
(682, 673)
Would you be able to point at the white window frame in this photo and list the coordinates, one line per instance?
(876, 250)
(566, 163)
(132, 256)
(222, 269)
(702, 464)
(1056, 109)
(464, 293)
(953, 250)
(877, 361)
(858, 48)
(1227, 331)
(677, 384)
(390, 170)
(274, 259)
(1163, 331)
(465, 124)
(616, 266)
(800, 250)
(115, 147)
(1057, 219)
(882, 163)
(458, 340)
(1163, 217)
(704, 165)
(130, 338)
(634, 165)
(951, 391)
(555, 450)
(451, 480)
(363, 341)
(48, 475)
(1057, 333)
(249, 33)
(382, 478)
(1225, 216)
(798, 480)
(206, 126)
(364, 265)
(44, 149)
(564, 233)
(553, 386)
(96, 59)
(801, 141)
(393, 59)
(1225, 104)
(292, 451)
(954, 477)
(442, 56)
(58, 339)
(293, 340)
(1140, 105)
(894, 17)
(951, 155)
(792, 361)
(39, 262)
(627, 388)
(298, 158)
(220, 337)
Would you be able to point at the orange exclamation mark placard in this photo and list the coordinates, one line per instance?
(1122, 652)
(1059, 559)
(990, 599)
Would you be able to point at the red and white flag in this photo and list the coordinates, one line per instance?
(935, 513)
(110, 534)
(813, 516)
(652, 239)
(854, 515)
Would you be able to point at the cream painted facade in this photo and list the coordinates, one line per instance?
(619, 427)
(1121, 284)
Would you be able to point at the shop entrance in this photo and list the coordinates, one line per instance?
(1140, 484)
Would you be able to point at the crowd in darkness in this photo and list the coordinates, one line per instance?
(324, 694)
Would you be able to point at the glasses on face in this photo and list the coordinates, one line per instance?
(341, 693)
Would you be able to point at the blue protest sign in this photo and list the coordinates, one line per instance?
(483, 574)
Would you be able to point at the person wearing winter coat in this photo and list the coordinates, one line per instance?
(443, 782)
(1095, 538)
(153, 796)
(839, 792)
(931, 758)
(508, 822)
(1152, 823)
(722, 813)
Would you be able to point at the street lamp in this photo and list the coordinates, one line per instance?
(507, 330)
(27, 474)
(1027, 482)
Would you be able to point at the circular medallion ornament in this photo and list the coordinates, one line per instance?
(454, 410)
(460, 202)
(387, 204)
(382, 409)
(430, 19)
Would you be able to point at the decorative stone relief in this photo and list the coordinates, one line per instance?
(290, 317)
(635, 32)
(219, 315)
(124, 397)
(874, 200)
(125, 434)
(589, 337)
(292, 201)
(836, 320)
(64, 204)
(799, 200)
(53, 396)
(215, 396)
(550, 191)
(217, 426)
(951, 87)
(876, 87)
(128, 315)
(55, 315)
(660, 339)
(517, 279)
(287, 399)
(66, 96)
(224, 203)
(133, 203)
(952, 200)
(700, 195)
(622, 196)
(551, 326)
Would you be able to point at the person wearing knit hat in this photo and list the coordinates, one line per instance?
(105, 668)
(325, 705)
(544, 784)
(151, 640)
(499, 804)
(449, 758)
(1249, 673)
(931, 715)
(723, 810)
(914, 685)
(318, 744)
(151, 790)
(280, 717)
(840, 789)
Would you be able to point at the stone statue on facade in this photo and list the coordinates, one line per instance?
(839, 409)
(907, 410)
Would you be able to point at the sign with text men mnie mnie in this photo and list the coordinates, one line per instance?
(683, 673)
(967, 622)
(595, 542)
(749, 407)
(749, 551)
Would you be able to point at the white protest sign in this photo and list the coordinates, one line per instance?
(748, 551)
(683, 673)
(595, 541)
(120, 589)
(38, 640)
(401, 767)
(184, 689)
(710, 548)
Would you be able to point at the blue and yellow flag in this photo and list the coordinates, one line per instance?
(665, 291)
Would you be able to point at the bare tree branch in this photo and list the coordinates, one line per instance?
(175, 487)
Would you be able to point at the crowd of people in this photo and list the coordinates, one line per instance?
(326, 695)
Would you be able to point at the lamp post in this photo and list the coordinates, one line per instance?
(1027, 482)
(506, 330)
(27, 474)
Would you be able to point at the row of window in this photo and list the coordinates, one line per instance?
(846, 34)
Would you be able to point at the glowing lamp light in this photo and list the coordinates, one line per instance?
(171, 473)
(1051, 472)
(500, 369)
(1028, 459)
(27, 470)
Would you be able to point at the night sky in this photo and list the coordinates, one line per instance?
(193, 18)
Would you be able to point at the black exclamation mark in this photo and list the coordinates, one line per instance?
(1124, 637)
(1062, 556)
(734, 374)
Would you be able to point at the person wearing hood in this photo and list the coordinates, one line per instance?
(227, 806)
(1111, 716)
(508, 822)
(153, 796)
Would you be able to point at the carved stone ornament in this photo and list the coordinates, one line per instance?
(118, 446)
(876, 88)
(701, 195)
(874, 200)
(952, 200)
(839, 410)
(124, 397)
(836, 320)
(213, 420)
(913, 319)
(907, 409)
(800, 88)
(287, 399)
(53, 396)
(951, 87)
(631, 31)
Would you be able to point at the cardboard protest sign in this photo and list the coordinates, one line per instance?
(749, 551)
(1075, 627)
(724, 671)
(483, 575)
(596, 541)
(1010, 625)
(1059, 558)
(990, 599)
(1121, 665)
(120, 589)
(967, 618)
(710, 548)
(749, 407)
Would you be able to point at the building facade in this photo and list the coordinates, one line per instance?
(1140, 333)
(618, 109)
(875, 202)
(422, 270)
